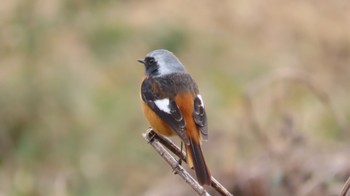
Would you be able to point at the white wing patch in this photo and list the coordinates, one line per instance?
(163, 104)
(200, 98)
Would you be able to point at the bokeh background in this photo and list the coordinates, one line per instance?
(275, 76)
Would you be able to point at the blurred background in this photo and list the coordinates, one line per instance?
(275, 76)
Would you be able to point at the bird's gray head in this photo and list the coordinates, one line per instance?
(161, 62)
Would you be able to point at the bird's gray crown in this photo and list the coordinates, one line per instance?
(167, 62)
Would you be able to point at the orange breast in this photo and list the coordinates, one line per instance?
(156, 123)
(185, 104)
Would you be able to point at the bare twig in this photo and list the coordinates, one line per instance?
(177, 151)
(156, 140)
(172, 147)
(345, 188)
(150, 136)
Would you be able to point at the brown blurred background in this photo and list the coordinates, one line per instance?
(275, 76)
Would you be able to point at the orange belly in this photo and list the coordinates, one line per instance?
(156, 123)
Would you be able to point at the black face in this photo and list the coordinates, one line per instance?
(151, 66)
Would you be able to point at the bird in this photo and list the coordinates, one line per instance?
(172, 105)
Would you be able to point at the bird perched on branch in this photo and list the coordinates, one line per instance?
(173, 106)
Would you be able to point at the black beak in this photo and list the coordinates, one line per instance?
(141, 61)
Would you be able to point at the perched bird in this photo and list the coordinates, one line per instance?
(173, 106)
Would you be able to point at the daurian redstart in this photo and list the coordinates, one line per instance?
(172, 105)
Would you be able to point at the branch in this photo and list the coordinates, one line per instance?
(158, 142)
(345, 188)
(150, 136)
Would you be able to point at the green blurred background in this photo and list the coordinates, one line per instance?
(275, 76)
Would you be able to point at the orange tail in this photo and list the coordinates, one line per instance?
(195, 158)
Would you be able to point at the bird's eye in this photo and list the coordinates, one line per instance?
(151, 61)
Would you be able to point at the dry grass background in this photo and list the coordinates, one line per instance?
(275, 76)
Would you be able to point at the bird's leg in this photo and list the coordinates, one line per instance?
(180, 159)
(179, 162)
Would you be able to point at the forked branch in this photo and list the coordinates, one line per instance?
(158, 142)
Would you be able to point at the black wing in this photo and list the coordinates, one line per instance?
(200, 117)
(150, 92)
